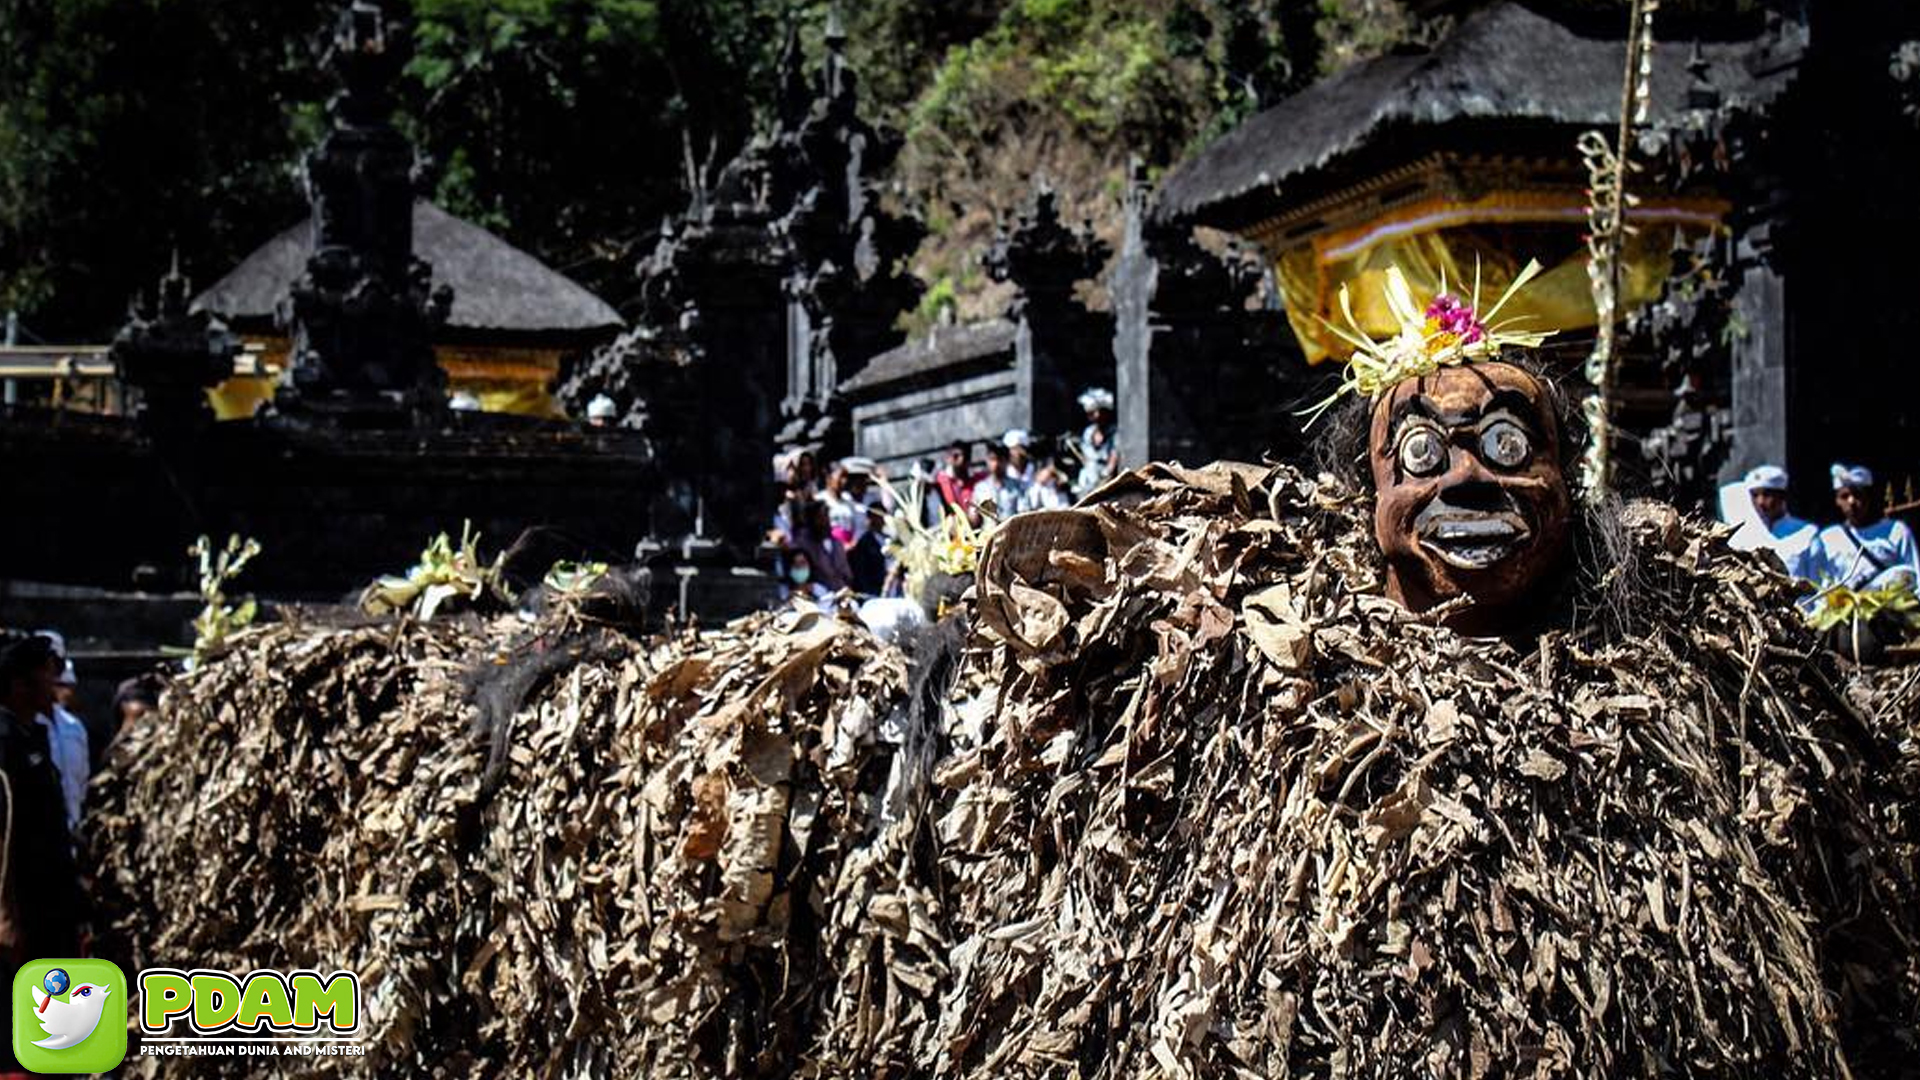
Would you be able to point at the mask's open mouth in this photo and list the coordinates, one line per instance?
(1472, 541)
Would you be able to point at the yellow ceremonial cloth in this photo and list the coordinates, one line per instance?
(1440, 240)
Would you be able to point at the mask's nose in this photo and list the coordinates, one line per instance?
(1475, 493)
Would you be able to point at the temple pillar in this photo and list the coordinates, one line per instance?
(1201, 372)
(1760, 370)
(1060, 348)
(1131, 285)
(173, 357)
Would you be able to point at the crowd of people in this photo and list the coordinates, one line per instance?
(833, 529)
(1864, 550)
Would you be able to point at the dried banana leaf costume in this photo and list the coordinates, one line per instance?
(1191, 787)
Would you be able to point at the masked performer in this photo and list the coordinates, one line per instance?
(1467, 453)
(1226, 772)
(1428, 768)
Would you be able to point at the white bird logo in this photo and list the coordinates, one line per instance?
(68, 1023)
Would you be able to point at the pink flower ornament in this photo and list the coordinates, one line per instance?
(1449, 315)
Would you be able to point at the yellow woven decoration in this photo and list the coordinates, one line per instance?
(1446, 333)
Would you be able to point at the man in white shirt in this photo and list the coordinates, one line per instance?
(856, 497)
(66, 736)
(1866, 550)
(1759, 508)
(1049, 490)
(1020, 454)
(601, 411)
(1001, 487)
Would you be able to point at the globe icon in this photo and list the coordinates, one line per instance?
(56, 982)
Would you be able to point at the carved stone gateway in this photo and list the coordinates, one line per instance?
(976, 381)
(1201, 372)
(1060, 347)
(1776, 333)
(845, 283)
(776, 284)
(1689, 332)
(703, 370)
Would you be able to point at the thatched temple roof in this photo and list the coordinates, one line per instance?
(1507, 79)
(500, 293)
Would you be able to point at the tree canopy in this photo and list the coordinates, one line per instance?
(132, 128)
(129, 128)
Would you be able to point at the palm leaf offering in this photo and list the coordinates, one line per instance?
(218, 619)
(568, 578)
(1445, 332)
(444, 574)
(1843, 606)
(1176, 792)
(950, 546)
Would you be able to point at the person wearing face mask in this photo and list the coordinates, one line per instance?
(800, 582)
(1866, 549)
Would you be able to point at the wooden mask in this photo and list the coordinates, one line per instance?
(1470, 497)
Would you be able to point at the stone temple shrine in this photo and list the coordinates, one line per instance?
(512, 321)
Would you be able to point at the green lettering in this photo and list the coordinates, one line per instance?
(337, 998)
(163, 996)
(216, 1000)
(265, 998)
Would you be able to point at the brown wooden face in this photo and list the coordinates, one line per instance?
(1469, 496)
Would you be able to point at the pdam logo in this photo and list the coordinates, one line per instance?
(69, 1016)
(264, 1014)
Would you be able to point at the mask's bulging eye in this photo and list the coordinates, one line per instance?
(1505, 443)
(1423, 452)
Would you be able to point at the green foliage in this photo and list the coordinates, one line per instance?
(940, 298)
(1356, 29)
(127, 126)
(560, 123)
(1100, 82)
(1842, 606)
(897, 45)
(1110, 77)
(1103, 67)
(572, 579)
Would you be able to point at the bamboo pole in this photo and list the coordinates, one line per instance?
(1609, 200)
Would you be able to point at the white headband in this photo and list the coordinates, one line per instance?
(1851, 476)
